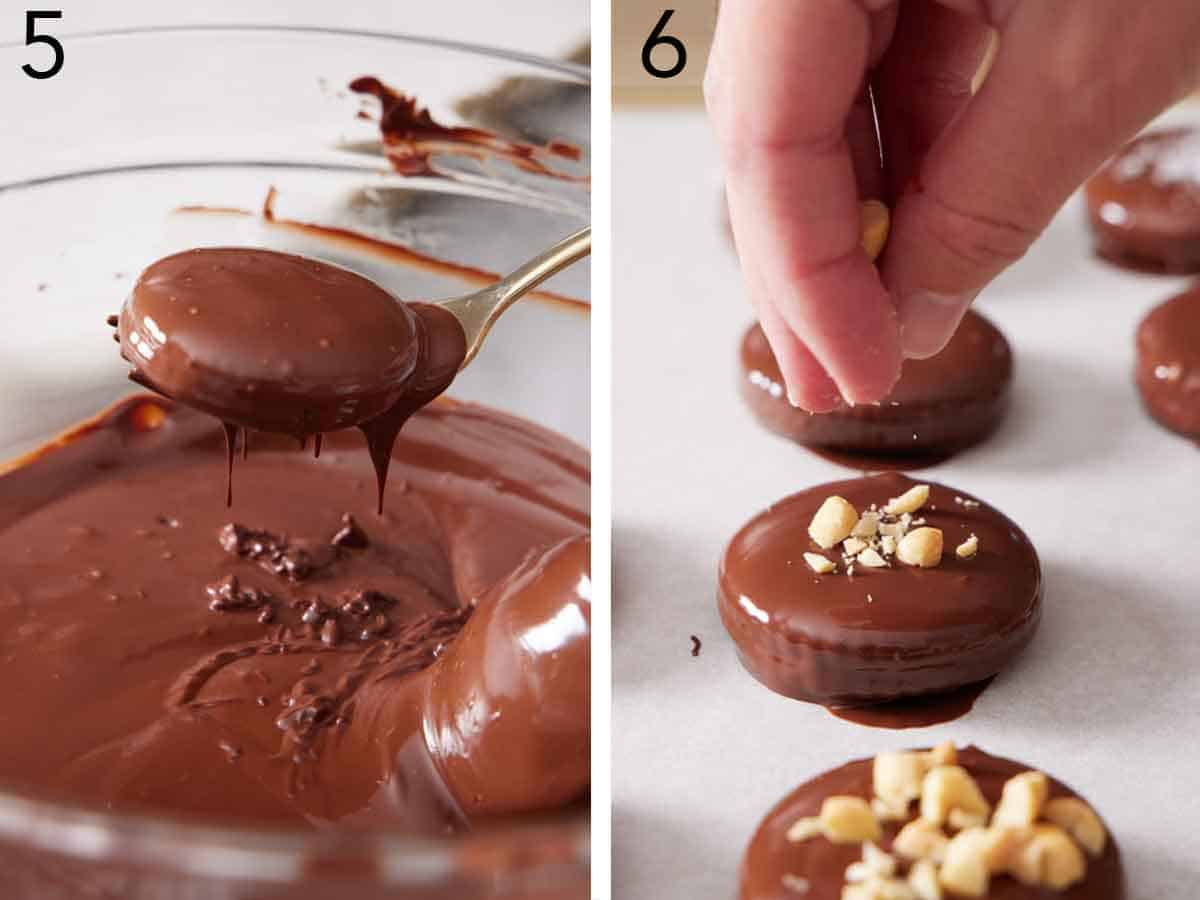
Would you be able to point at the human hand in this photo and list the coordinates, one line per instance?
(971, 179)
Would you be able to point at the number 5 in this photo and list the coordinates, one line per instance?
(32, 37)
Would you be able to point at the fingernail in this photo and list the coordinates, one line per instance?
(928, 321)
(814, 403)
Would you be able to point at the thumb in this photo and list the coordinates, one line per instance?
(1043, 121)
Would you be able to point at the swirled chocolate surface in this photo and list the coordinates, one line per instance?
(1144, 204)
(878, 634)
(771, 858)
(940, 405)
(303, 660)
(280, 343)
(1168, 363)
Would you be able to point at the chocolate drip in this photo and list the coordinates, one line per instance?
(280, 343)
(231, 436)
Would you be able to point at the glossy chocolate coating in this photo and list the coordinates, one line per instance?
(1144, 204)
(158, 657)
(922, 631)
(771, 855)
(281, 343)
(1168, 363)
(528, 646)
(939, 405)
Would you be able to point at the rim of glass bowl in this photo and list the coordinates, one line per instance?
(564, 69)
(274, 854)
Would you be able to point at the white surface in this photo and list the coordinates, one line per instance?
(1106, 698)
(543, 27)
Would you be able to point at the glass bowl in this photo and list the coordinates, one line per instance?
(151, 141)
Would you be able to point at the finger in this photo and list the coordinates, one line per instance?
(783, 80)
(809, 386)
(924, 81)
(1052, 109)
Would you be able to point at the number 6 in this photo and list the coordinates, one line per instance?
(656, 38)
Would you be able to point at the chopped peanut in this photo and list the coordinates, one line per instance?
(1022, 800)
(805, 829)
(849, 820)
(967, 548)
(921, 840)
(874, 862)
(871, 559)
(921, 547)
(853, 546)
(908, 502)
(888, 810)
(874, 222)
(868, 525)
(965, 869)
(1049, 859)
(833, 522)
(819, 563)
(944, 754)
(923, 877)
(879, 888)
(947, 788)
(897, 776)
(1079, 820)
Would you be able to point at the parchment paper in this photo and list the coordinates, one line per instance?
(1107, 697)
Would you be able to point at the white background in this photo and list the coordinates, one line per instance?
(1108, 695)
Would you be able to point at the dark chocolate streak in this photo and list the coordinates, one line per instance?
(771, 855)
(879, 634)
(280, 343)
(302, 660)
(411, 136)
(940, 405)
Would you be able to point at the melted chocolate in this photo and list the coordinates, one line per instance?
(884, 634)
(411, 136)
(281, 343)
(527, 648)
(293, 665)
(915, 712)
(1144, 204)
(1168, 363)
(939, 406)
(771, 856)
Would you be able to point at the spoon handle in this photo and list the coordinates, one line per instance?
(478, 312)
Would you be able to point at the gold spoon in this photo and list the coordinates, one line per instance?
(478, 311)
